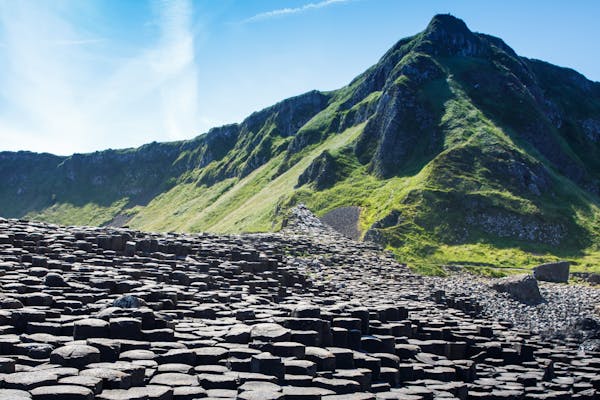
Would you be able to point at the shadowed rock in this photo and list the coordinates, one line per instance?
(521, 287)
(552, 272)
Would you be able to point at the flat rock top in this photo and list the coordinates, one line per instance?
(75, 351)
(105, 313)
(12, 394)
(64, 391)
(269, 332)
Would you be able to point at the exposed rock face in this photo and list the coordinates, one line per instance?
(322, 172)
(505, 224)
(285, 118)
(552, 272)
(448, 35)
(522, 287)
(591, 127)
(374, 234)
(403, 126)
(306, 313)
(140, 174)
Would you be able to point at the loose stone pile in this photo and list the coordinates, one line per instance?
(103, 313)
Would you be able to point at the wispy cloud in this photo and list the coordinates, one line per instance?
(61, 93)
(281, 12)
(76, 42)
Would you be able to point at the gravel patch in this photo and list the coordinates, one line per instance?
(563, 303)
(344, 220)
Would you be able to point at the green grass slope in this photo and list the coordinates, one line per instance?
(249, 204)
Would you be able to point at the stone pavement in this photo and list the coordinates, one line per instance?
(105, 313)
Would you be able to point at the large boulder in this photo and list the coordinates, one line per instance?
(552, 272)
(523, 288)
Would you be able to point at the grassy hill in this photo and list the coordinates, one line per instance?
(457, 150)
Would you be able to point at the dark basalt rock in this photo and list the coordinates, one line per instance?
(76, 355)
(323, 172)
(90, 328)
(128, 301)
(401, 123)
(447, 35)
(589, 277)
(521, 287)
(29, 380)
(269, 332)
(13, 394)
(301, 314)
(55, 280)
(374, 234)
(62, 392)
(552, 272)
(9, 303)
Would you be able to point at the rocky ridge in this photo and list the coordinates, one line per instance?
(450, 139)
(104, 313)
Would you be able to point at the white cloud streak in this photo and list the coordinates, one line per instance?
(76, 42)
(61, 93)
(282, 12)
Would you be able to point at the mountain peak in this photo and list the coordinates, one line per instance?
(448, 35)
(447, 24)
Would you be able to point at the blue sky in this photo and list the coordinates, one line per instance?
(79, 76)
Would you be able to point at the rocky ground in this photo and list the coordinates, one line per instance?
(103, 313)
(563, 304)
(344, 220)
